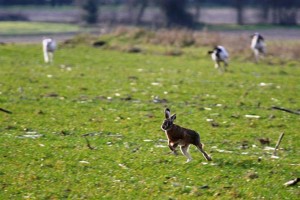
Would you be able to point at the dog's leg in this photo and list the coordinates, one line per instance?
(50, 55)
(217, 64)
(225, 65)
(262, 53)
(184, 150)
(207, 157)
(256, 55)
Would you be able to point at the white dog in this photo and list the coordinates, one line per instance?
(258, 45)
(49, 46)
(218, 55)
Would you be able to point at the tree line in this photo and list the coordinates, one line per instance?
(178, 12)
(36, 2)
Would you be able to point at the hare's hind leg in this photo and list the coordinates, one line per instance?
(207, 157)
(184, 150)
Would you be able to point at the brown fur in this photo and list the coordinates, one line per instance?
(183, 137)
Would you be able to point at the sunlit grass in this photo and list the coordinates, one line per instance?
(19, 28)
(109, 94)
(250, 27)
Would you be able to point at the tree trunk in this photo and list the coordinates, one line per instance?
(141, 11)
(198, 11)
(239, 12)
(176, 14)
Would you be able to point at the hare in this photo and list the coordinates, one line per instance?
(183, 137)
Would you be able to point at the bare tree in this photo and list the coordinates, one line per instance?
(239, 6)
(198, 9)
(175, 13)
(136, 9)
(278, 11)
(143, 6)
(90, 10)
(265, 8)
(285, 12)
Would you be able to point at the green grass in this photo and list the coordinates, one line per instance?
(249, 27)
(20, 28)
(110, 94)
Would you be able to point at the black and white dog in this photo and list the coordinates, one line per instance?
(49, 46)
(258, 45)
(218, 55)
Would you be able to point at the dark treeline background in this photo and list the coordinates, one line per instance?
(183, 12)
(36, 2)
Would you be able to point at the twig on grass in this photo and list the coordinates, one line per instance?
(286, 110)
(278, 143)
(292, 182)
(88, 142)
(6, 111)
(245, 94)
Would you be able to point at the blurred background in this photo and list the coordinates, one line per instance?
(101, 15)
(154, 12)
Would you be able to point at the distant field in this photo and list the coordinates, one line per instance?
(117, 98)
(21, 28)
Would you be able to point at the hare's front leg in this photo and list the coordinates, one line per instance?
(173, 146)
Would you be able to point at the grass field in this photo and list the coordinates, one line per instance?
(118, 99)
(20, 28)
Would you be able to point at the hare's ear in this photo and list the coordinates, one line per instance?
(167, 113)
(173, 117)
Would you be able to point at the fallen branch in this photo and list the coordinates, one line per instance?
(278, 143)
(88, 143)
(6, 111)
(292, 182)
(286, 110)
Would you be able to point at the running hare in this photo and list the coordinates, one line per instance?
(183, 137)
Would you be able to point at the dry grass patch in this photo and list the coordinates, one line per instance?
(135, 40)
